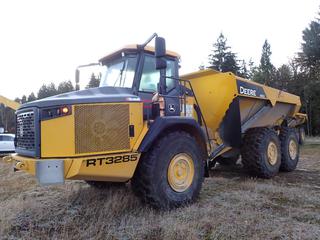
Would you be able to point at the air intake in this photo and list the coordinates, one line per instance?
(101, 128)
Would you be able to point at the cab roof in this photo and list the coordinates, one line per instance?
(134, 48)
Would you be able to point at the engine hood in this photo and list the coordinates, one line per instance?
(93, 95)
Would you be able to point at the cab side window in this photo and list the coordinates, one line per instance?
(150, 76)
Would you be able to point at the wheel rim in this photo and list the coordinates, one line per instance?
(180, 172)
(293, 149)
(272, 153)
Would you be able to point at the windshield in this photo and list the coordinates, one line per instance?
(119, 73)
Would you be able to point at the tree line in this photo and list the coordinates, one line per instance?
(300, 76)
(7, 115)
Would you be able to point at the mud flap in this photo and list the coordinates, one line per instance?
(230, 128)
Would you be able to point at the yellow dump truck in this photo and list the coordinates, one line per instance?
(160, 131)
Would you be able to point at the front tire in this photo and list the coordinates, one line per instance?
(171, 173)
(261, 152)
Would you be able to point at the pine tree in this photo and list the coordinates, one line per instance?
(31, 97)
(65, 87)
(94, 81)
(310, 55)
(47, 91)
(222, 58)
(283, 77)
(309, 78)
(266, 66)
(265, 72)
(23, 99)
(243, 70)
(252, 68)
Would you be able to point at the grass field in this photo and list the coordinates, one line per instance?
(232, 205)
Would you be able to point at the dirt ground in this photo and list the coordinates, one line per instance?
(232, 205)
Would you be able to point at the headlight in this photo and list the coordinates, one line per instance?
(55, 112)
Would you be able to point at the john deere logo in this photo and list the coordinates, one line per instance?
(248, 91)
(99, 128)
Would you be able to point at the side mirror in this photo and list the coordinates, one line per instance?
(160, 47)
(160, 52)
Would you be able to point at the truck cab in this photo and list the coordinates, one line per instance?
(133, 70)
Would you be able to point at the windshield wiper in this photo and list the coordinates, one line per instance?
(120, 75)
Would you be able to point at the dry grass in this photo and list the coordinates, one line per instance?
(231, 206)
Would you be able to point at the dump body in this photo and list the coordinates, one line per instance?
(231, 105)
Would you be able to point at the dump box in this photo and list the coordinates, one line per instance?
(231, 105)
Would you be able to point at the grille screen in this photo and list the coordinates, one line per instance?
(25, 131)
(101, 128)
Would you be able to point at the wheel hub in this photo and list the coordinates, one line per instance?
(180, 172)
(272, 153)
(293, 149)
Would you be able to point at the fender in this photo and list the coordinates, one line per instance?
(172, 123)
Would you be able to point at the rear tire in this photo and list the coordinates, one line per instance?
(302, 135)
(105, 185)
(171, 173)
(261, 152)
(289, 149)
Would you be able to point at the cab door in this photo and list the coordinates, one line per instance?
(149, 81)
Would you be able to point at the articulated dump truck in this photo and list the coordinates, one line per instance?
(161, 132)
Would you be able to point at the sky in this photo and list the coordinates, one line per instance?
(44, 41)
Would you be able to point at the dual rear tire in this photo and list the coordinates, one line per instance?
(264, 153)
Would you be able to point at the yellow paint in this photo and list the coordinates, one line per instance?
(28, 164)
(76, 168)
(57, 137)
(119, 172)
(272, 153)
(136, 119)
(142, 134)
(214, 91)
(135, 47)
(9, 103)
(301, 117)
(293, 149)
(58, 134)
(180, 172)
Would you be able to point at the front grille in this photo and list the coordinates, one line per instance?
(25, 135)
(101, 128)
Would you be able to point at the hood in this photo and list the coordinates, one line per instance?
(92, 95)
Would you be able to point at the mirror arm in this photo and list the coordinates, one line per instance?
(142, 46)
